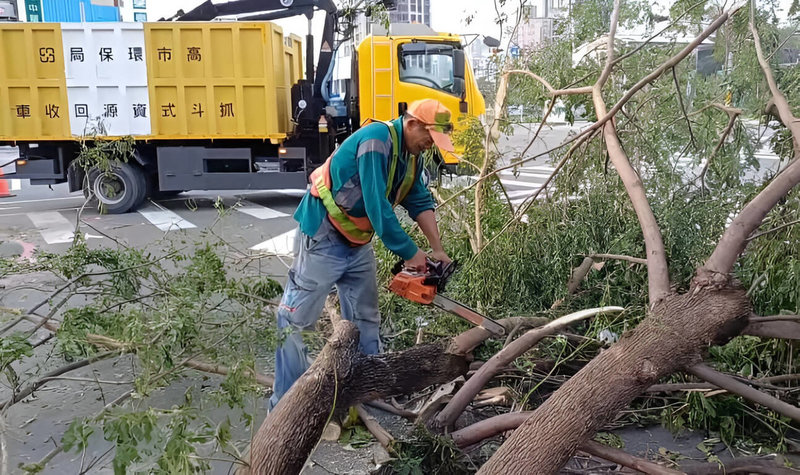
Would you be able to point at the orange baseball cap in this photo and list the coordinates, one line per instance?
(437, 117)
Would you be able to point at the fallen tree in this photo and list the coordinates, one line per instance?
(168, 321)
(678, 328)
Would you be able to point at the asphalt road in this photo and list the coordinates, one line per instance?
(44, 218)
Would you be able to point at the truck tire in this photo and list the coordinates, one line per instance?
(119, 190)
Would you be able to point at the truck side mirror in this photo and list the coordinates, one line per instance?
(459, 87)
(459, 82)
(458, 64)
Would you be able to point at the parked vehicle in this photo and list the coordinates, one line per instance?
(210, 105)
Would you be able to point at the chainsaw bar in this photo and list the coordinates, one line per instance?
(469, 315)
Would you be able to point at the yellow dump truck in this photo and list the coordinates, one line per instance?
(211, 105)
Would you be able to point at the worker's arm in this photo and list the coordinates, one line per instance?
(427, 223)
(420, 205)
(373, 157)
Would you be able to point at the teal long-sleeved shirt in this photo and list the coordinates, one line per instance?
(359, 174)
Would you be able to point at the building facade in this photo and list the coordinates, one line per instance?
(537, 26)
(411, 11)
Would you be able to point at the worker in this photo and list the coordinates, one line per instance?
(351, 197)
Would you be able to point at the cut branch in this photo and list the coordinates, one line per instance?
(788, 330)
(472, 387)
(615, 455)
(732, 385)
(619, 257)
(339, 378)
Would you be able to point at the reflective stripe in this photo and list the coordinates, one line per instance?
(345, 223)
(359, 230)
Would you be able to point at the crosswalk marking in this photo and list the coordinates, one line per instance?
(282, 245)
(258, 211)
(519, 194)
(55, 228)
(526, 184)
(526, 174)
(164, 219)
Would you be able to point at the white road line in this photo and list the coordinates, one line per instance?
(291, 192)
(524, 173)
(519, 194)
(537, 168)
(55, 228)
(79, 197)
(164, 219)
(282, 245)
(257, 211)
(525, 184)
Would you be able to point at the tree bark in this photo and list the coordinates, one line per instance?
(669, 339)
(339, 378)
(467, 393)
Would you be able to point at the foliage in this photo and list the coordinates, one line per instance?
(425, 452)
(158, 442)
(13, 348)
(104, 154)
(669, 130)
(184, 303)
(165, 310)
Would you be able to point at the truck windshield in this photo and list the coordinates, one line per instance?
(427, 64)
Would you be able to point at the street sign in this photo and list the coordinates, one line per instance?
(33, 10)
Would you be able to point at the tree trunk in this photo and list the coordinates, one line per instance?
(671, 338)
(339, 378)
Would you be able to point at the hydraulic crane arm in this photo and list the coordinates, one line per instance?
(266, 10)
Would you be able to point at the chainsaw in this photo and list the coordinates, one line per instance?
(424, 288)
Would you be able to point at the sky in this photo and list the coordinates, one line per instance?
(447, 15)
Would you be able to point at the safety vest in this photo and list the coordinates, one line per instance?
(358, 230)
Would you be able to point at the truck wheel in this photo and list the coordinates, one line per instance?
(119, 190)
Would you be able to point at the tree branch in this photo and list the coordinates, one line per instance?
(657, 270)
(619, 257)
(467, 393)
(683, 108)
(776, 228)
(730, 384)
(616, 455)
(787, 330)
(732, 115)
(492, 426)
(784, 110)
(18, 396)
(734, 239)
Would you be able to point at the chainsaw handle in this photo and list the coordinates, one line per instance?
(438, 272)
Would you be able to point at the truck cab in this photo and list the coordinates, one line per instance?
(411, 62)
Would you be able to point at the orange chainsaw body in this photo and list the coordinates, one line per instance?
(412, 287)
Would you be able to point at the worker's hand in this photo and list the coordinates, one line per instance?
(441, 256)
(418, 263)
